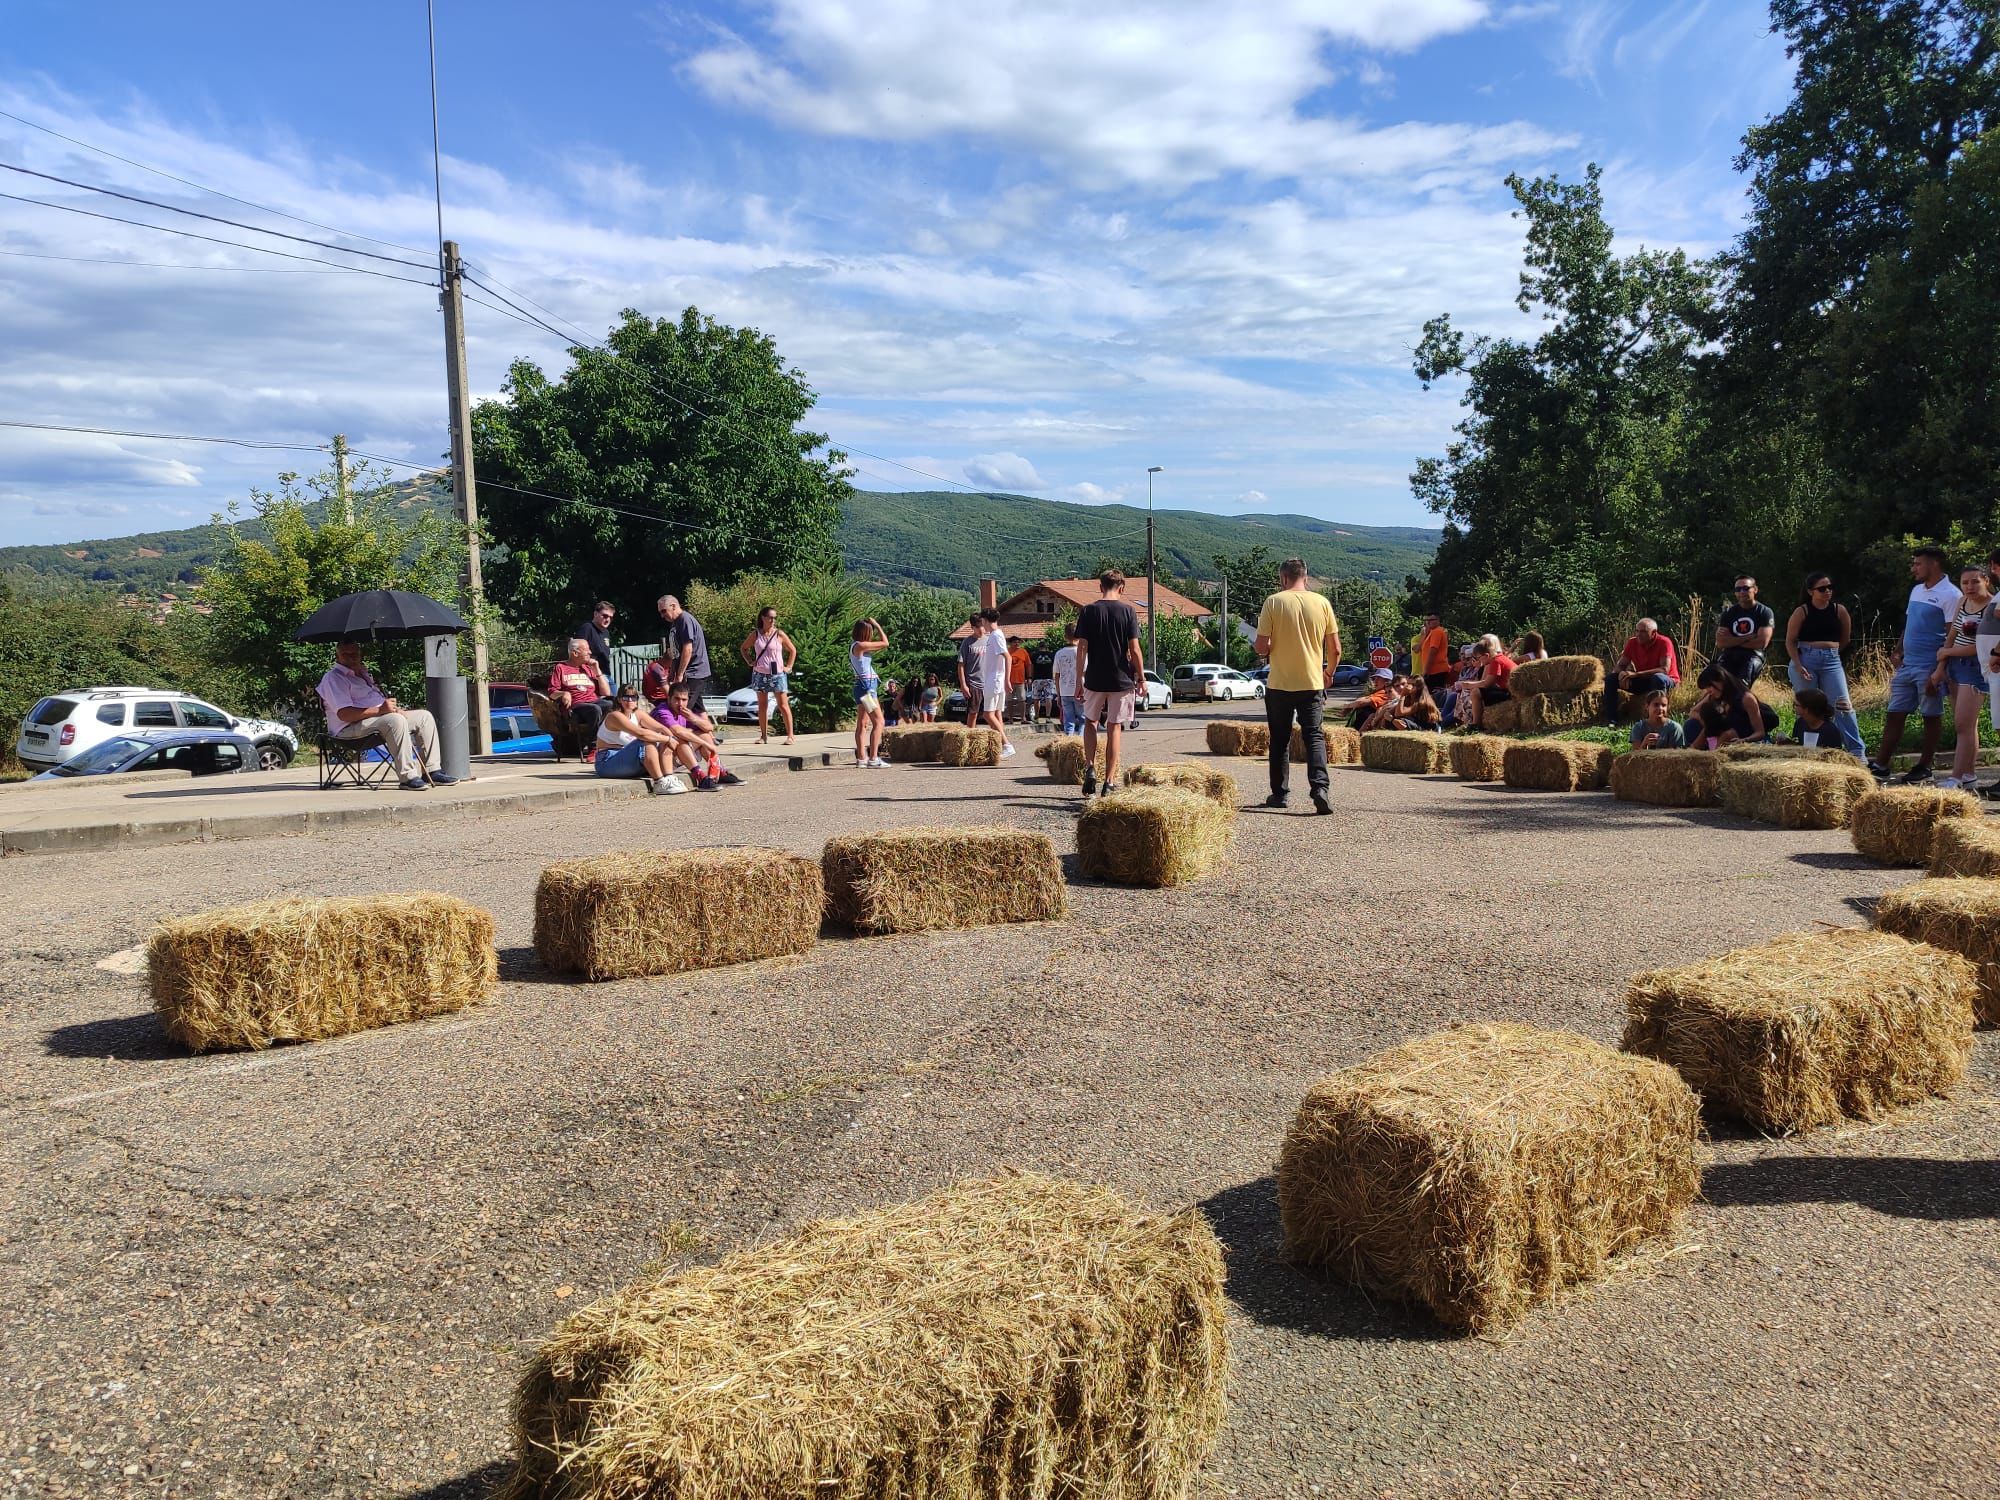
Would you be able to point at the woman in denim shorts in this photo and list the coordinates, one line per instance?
(771, 656)
(1965, 677)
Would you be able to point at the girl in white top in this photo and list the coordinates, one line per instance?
(868, 639)
(630, 743)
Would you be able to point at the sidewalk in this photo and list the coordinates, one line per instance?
(96, 812)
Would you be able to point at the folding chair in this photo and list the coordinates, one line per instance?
(345, 762)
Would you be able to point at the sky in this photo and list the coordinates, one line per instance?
(1027, 245)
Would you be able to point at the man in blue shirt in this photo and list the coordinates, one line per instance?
(1934, 601)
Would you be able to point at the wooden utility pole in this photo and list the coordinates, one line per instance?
(1228, 627)
(464, 497)
(341, 499)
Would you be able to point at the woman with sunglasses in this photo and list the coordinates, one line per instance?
(1816, 634)
(1960, 673)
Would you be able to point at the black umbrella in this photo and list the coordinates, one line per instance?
(380, 615)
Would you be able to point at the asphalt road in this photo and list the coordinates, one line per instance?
(317, 1271)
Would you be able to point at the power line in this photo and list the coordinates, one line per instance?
(91, 213)
(204, 188)
(173, 265)
(194, 213)
(170, 437)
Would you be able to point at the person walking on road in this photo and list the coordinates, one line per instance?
(968, 667)
(1298, 634)
(771, 656)
(1110, 666)
(993, 669)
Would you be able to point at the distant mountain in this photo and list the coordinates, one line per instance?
(888, 538)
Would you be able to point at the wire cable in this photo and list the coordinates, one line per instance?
(195, 213)
(204, 188)
(169, 437)
(174, 265)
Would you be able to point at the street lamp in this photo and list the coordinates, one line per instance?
(1152, 603)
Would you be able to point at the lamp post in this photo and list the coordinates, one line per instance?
(1152, 626)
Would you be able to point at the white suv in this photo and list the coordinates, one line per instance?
(1212, 680)
(67, 723)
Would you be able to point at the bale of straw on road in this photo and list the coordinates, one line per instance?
(644, 911)
(1152, 836)
(1343, 745)
(1898, 825)
(915, 879)
(1811, 1027)
(913, 742)
(1792, 793)
(1478, 757)
(1829, 754)
(1234, 737)
(1667, 778)
(1411, 751)
(959, 746)
(1020, 1336)
(1482, 1169)
(1556, 674)
(1553, 765)
(1959, 914)
(1218, 786)
(294, 969)
(1065, 758)
(1966, 846)
(1513, 716)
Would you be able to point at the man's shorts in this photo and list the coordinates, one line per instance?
(1911, 685)
(1115, 709)
(1493, 693)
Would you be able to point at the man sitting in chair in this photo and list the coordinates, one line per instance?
(357, 708)
(577, 685)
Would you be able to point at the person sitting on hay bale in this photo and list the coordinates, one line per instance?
(632, 744)
(1647, 663)
(695, 730)
(1656, 729)
(578, 686)
(1934, 601)
(356, 708)
(1490, 686)
(1381, 691)
(1727, 713)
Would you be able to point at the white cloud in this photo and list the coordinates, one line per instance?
(1253, 497)
(1086, 493)
(1004, 471)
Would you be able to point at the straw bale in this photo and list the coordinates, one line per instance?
(916, 879)
(1414, 752)
(1065, 757)
(1810, 1027)
(1343, 745)
(959, 746)
(913, 742)
(1966, 846)
(1792, 793)
(1513, 716)
(1480, 1170)
(1233, 737)
(1152, 836)
(1477, 757)
(298, 970)
(1667, 778)
(1218, 786)
(1568, 710)
(644, 911)
(1958, 914)
(1898, 825)
(1021, 1336)
(1554, 765)
(1557, 674)
(1830, 754)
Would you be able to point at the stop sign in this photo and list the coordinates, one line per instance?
(1380, 658)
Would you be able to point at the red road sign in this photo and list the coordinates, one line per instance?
(1380, 658)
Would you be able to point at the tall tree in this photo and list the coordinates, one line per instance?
(679, 458)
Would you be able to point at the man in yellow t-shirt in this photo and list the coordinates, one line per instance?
(1298, 635)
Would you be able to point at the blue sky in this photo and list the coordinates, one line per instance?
(1021, 245)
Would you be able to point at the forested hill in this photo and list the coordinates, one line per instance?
(934, 537)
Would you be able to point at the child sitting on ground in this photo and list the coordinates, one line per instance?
(1813, 714)
(1656, 730)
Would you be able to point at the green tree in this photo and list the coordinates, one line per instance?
(264, 587)
(678, 457)
(919, 622)
(1178, 641)
(825, 607)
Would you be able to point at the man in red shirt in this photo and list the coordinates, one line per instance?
(1490, 686)
(578, 687)
(1647, 664)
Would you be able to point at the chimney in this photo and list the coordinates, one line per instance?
(989, 593)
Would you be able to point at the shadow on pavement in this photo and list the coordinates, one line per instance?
(1245, 1219)
(477, 1485)
(137, 1038)
(1833, 861)
(1909, 1187)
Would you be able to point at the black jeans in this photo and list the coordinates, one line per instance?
(1280, 707)
(1642, 682)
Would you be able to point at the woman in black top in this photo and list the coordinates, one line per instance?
(1815, 635)
(1727, 712)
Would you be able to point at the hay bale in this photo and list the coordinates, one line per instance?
(642, 911)
(1410, 751)
(913, 742)
(1152, 836)
(1557, 675)
(1477, 757)
(1830, 754)
(1966, 847)
(1233, 737)
(1065, 757)
(1792, 793)
(1568, 710)
(1958, 914)
(959, 746)
(1019, 1336)
(1218, 786)
(1343, 745)
(1898, 825)
(1554, 765)
(1811, 1027)
(1482, 1169)
(1513, 716)
(299, 970)
(916, 879)
(1667, 778)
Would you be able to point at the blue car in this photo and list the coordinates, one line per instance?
(199, 752)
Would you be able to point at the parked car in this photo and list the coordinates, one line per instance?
(199, 752)
(1350, 674)
(67, 724)
(507, 695)
(1157, 694)
(740, 707)
(1212, 681)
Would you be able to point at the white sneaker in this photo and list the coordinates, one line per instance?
(1005, 751)
(670, 786)
(879, 764)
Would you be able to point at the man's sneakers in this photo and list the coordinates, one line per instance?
(1880, 773)
(1090, 781)
(666, 786)
(730, 778)
(1277, 802)
(1918, 775)
(416, 784)
(438, 778)
(1321, 807)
